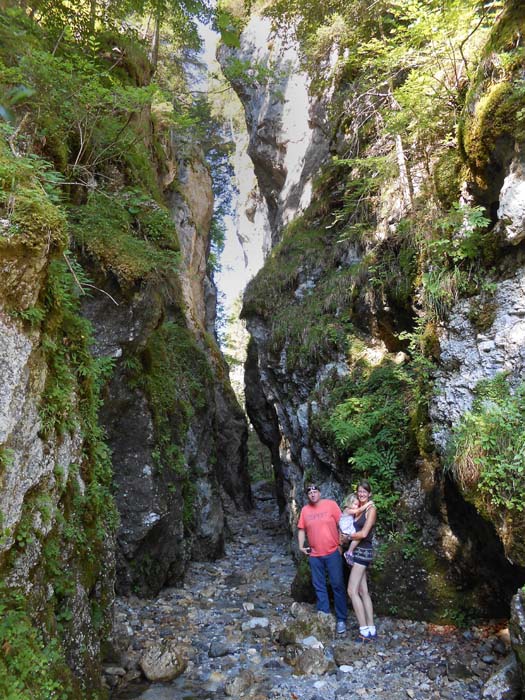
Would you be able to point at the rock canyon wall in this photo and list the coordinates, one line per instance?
(122, 445)
(359, 366)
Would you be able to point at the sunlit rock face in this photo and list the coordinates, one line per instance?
(37, 471)
(192, 210)
(469, 355)
(511, 211)
(252, 223)
(285, 125)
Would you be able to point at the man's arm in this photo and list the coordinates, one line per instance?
(300, 538)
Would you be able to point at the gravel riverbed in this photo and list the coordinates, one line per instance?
(235, 632)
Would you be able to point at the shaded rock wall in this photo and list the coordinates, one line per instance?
(170, 387)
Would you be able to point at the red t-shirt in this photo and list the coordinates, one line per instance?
(320, 523)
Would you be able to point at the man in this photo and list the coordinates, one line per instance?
(318, 522)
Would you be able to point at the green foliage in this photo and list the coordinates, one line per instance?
(392, 266)
(254, 74)
(358, 184)
(229, 27)
(455, 257)
(488, 448)
(30, 667)
(371, 428)
(130, 235)
(217, 241)
(408, 543)
(461, 235)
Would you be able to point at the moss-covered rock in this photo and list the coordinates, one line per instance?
(302, 589)
(424, 590)
(305, 623)
(491, 122)
(447, 174)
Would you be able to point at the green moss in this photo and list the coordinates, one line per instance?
(483, 314)
(305, 333)
(175, 374)
(496, 99)
(447, 175)
(309, 325)
(429, 341)
(506, 35)
(33, 226)
(301, 246)
(176, 377)
(495, 116)
(107, 231)
(130, 60)
(302, 589)
(438, 600)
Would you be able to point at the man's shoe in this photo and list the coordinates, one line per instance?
(340, 627)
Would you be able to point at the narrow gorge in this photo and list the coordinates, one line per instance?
(386, 201)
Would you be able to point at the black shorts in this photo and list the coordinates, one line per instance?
(363, 556)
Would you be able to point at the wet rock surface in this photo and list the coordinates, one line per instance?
(237, 632)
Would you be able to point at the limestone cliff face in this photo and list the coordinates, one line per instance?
(51, 488)
(299, 307)
(286, 127)
(176, 433)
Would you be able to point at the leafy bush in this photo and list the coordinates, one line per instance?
(371, 428)
(488, 446)
(29, 667)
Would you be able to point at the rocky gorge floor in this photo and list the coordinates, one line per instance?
(233, 631)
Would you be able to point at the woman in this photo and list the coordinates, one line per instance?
(363, 554)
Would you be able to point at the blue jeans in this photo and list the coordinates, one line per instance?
(331, 564)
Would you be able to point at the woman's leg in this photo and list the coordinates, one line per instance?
(354, 584)
(367, 601)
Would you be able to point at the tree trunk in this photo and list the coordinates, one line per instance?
(92, 16)
(404, 176)
(156, 37)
